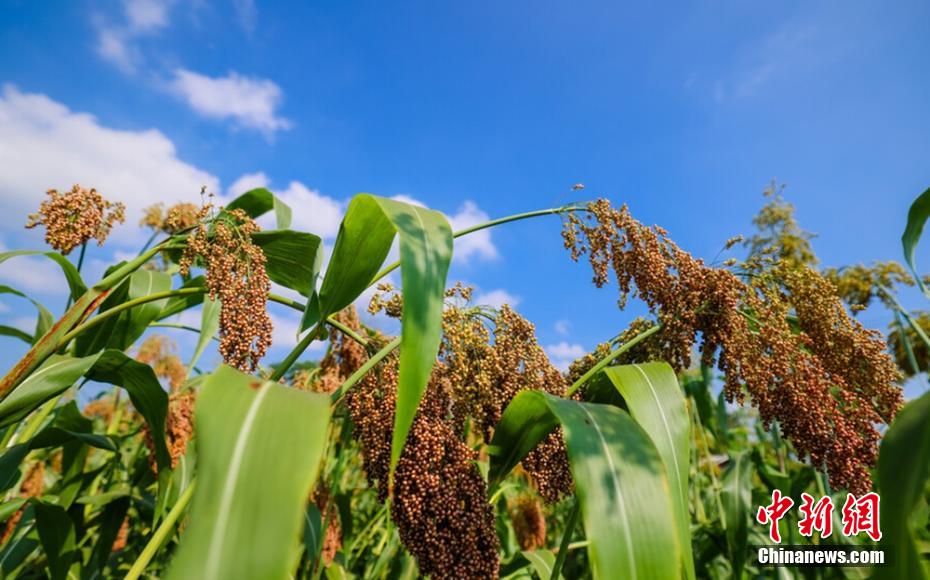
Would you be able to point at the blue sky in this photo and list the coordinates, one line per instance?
(685, 112)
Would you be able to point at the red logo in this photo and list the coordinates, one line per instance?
(858, 515)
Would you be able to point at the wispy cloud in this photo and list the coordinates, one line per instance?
(249, 102)
(246, 14)
(496, 298)
(563, 354)
(117, 40)
(45, 144)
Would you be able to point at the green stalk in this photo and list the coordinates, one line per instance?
(566, 540)
(907, 316)
(611, 357)
(363, 370)
(490, 224)
(161, 534)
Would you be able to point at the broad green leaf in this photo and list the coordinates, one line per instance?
(294, 258)
(903, 473)
(75, 283)
(542, 562)
(121, 331)
(655, 400)
(363, 243)
(56, 532)
(55, 375)
(620, 481)
(916, 219)
(736, 497)
(257, 202)
(146, 393)
(110, 522)
(209, 325)
(259, 446)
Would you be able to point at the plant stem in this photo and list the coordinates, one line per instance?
(611, 357)
(148, 242)
(162, 533)
(363, 370)
(566, 540)
(512, 218)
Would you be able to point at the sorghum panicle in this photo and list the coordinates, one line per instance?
(529, 523)
(826, 385)
(74, 217)
(236, 277)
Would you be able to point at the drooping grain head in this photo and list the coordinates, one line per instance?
(827, 383)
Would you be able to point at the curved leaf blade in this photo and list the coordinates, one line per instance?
(654, 398)
(620, 481)
(916, 219)
(55, 375)
(75, 283)
(365, 237)
(259, 201)
(903, 473)
(736, 496)
(259, 446)
(294, 258)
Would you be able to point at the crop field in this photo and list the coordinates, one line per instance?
(748, 412)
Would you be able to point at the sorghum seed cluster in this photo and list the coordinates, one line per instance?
(826, 385)
(236, 277)
(439, 500)
(178, 218)
(74, 217)
(33, 486)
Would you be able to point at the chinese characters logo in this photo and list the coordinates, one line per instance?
(859, 515)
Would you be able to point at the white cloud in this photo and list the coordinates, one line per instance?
(47, 145)
(116, 42)
(250, 102)
(284, 334)
(563, 327)
(496, 298)
(563, 354)
(312, 211)
(248, 182)
(34, 274)
(476, 243)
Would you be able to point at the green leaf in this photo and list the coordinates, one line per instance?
(363, 243)
(75, 283)
(121, 331)
(259, 446)
(903, 473)
(916, 219)
(45, 319)
(620, 481)
(110, 522)
(56, 532)
(736, 497)
(294, 258)
(542, 562)
(209, 325)
(54, 376)
(655, 400)
(15, 333)
(146, 393)
(259, 201)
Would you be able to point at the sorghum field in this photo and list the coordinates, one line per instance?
(455, 449)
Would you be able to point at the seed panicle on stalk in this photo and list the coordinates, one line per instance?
(827, 384)
(74, 217)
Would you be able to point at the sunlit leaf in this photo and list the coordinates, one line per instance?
(620, 480)
(652, 395)
(259, 201)
(259, 446)
(916, 219)
(294, 258)
(903, 473)
(363, 243)
(55, 375)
